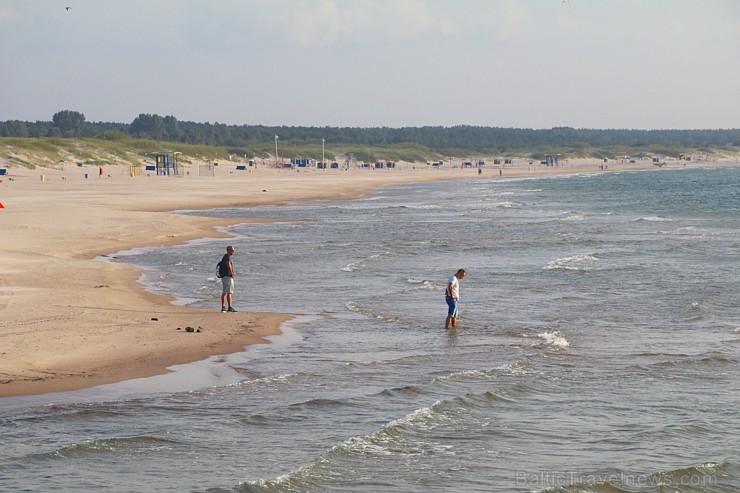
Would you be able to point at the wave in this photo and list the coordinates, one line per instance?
(282, 378)
(256, 420)
(414, 359)
(702, 478)
(693, 476)
(403, 438)
(683, 367)
(517, 368)
(74, 411)
(653, 219)
(357, 307)
(576, 262)
(676, 355)
(401, 391)
(104, 446)
(707, 360)
(554, 339)
(698, 233)
(424, 284)
(330, 467)
(569, 238)
(321, 404)
(187, 266)
(573, 217)
(419, 207)
(354, 266)
(505, 204)
(682, 431)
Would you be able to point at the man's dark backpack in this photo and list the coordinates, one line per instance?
(222, 268)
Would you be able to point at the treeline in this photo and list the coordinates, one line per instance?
(72, 124)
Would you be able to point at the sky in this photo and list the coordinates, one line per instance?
(643, 64)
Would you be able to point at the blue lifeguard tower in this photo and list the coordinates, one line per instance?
(166, 163)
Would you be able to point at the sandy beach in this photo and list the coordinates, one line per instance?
(71, 320)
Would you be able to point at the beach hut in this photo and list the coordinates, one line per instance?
(134, 170)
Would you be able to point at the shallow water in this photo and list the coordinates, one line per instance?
(598, 350)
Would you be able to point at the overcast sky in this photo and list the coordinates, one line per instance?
(366, 63)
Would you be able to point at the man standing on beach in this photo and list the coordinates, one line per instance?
(226, 270)
(452, 296)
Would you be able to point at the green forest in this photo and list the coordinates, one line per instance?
(406, 143)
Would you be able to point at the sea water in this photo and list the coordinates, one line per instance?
(597, 349)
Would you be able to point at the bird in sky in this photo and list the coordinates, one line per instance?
(68, 8)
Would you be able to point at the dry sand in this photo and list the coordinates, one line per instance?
(70, 321)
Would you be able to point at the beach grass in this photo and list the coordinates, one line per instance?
(118, 148)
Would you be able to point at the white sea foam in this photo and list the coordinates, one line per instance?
(272, 379)
(691, 233)
(654, 219)
(554, 339)
(424, 284)
(573, 217)
(507, 369)
(357, 307)
(369, 312)
(686, 229)
(387, 440)
(422, 207)
(363, 262)
(576, 262)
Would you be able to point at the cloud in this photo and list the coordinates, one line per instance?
(516, 20)
(314, 23)
(732, 28)
(565, 22)
(8, 13)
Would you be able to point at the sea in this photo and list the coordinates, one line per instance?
(597, 349)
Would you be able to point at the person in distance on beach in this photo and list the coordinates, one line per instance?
(226, 270)
(452, 296)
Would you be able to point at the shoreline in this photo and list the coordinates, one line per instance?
(71, 322)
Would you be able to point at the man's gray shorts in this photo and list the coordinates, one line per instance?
(228, 284)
